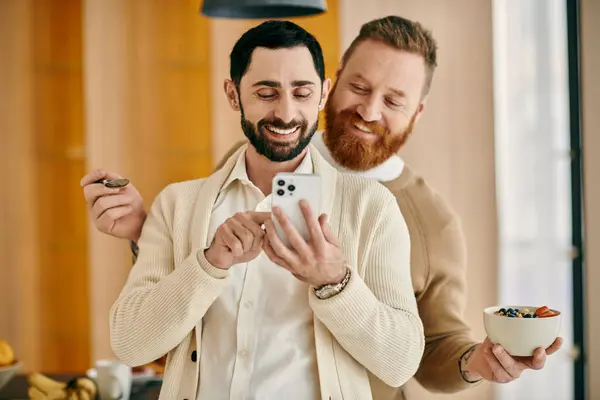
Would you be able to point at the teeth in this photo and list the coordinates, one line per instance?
(282, 131)
(363, 128)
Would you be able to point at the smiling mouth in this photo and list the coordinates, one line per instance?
(280, 131)
(362, 131)
(362, 127)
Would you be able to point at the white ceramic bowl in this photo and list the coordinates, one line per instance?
(8, 372)
(521, 336)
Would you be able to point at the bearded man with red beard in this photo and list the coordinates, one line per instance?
(380, 93)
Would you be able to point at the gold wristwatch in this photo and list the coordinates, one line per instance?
(327, 291)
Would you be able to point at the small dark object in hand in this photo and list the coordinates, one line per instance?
(113, 183)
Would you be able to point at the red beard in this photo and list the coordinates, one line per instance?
(357, 154)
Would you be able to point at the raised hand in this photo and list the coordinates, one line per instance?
(319, 261)
(238, 240)
(117, 212)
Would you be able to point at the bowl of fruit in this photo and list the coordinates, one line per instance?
(9, 366)
(522, 329)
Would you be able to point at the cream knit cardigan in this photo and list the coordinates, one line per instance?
(371, 327)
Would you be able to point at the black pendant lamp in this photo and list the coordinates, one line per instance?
(262, 9)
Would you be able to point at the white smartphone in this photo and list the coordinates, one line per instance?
(288, 190)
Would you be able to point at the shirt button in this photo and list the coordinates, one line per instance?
(244, 353)
(248, 304)
(194, 356)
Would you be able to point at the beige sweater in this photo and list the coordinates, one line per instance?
(438, 258)
(371, 327)
(438, 270)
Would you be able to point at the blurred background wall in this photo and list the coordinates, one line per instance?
(136, 87)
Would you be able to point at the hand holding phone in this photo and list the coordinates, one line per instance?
(315, 258)
(288, 189)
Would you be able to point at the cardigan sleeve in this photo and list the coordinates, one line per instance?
(375, 318)
(161, 302)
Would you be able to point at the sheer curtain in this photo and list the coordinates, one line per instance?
(533, 181)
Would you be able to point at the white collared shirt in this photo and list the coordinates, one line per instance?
(387, 171)
(258, 336)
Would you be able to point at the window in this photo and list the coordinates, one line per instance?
(533, 176)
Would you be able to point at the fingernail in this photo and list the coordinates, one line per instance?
(497, 350)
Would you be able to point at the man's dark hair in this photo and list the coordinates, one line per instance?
(273, 35)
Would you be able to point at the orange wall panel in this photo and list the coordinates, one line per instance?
(59, 135)
(148, 113)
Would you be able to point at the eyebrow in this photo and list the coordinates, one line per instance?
(275, 84)
(398, 92)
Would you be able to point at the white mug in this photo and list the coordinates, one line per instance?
(113, 380)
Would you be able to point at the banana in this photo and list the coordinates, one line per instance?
(7, 354)
(45, 388)
(35, 394)
(45, 384)
(83, 395)
(87, 385)
(60, 394)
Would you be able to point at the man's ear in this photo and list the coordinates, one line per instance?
(325, 93)
(420, 109)
(339, 70)
(232, 94)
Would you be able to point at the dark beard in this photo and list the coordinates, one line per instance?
(278, 152)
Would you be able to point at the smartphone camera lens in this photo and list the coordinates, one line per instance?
(292, 188)
(281, 182)
(280, 192)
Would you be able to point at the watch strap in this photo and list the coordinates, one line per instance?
(327, 291)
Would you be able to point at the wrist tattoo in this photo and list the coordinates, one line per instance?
(463, 361)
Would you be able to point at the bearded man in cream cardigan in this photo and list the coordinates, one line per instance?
(238, 314)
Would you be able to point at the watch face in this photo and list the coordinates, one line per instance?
(327, 292)
(330, 290)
